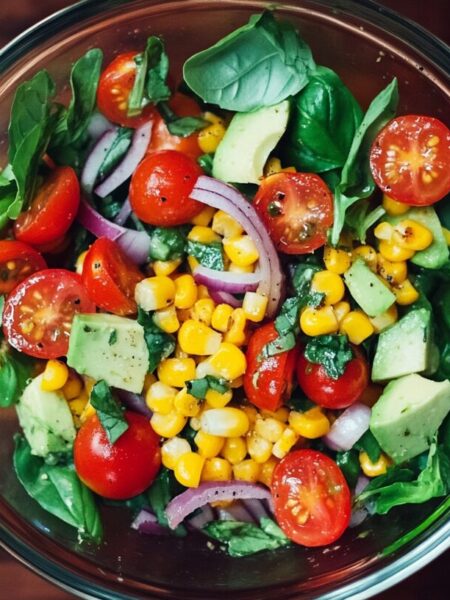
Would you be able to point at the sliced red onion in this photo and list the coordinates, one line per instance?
(224, 298)
(98, 125)
(256, 508)
(361, 484)
(127, 166)
(205, 515)
(224, 197)
(95, 159)
(124, 213)
(146, 522)
(348, 428)
(134, 402)
(358, 516)
(227, 281)
(135, 244)
(235, 512)
(183, 505)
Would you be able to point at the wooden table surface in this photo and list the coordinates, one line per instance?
(17, 582)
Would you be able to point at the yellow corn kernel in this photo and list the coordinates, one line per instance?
(176, 371)
(167, 319)
(255, 306)
(88, 384)
(234, 450)
(220, 319)
(285, 443)
(203, 310)
(55, 376)
(228, 362)
(393, 272)
(356, 326)
(73, 386)
(371, 469)
(183, 314)
(240, 269)
(247, 470)
(210, 137)
(330, 284)
(166, 267)
(384, 231)
(215, 399)
(266, 472)
(270, 429)
(411, 235)
(318, 321)
(188, 470)
(160, 397)
(204, 235)
(212, 117)
(202, 292)
(168, 425)
(80, 262)
(393, 252)
(185, 291)
(405, 293)
(204, 218)
(241, 250)
(194, 423)
(282, 414)
(341, 309)
(216, 469)
(336, 260)
(186, 404)
(259, 448)
(251, 413)
(149, 380)
(237, 383)
(225, 422)
(199, 339)
(77, 405)
(311, 424)
(236, 332)
(272, 166)
(384, 320)
(154, 293)
(192, 262)
(368, 254)
(172, 450)
(88, 411)
(208, 445)
(225, 225)
(392, 207)
(446, 233)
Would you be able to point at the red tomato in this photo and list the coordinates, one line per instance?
(110, 278)
(311, 497)
(297, 210)
(120, 470)
(333, 393)
(114, 87)
(182, 106)
(410, 160)
(161, 186)
(53, 209)
(268, 381)
(38, 313)
(17, 261)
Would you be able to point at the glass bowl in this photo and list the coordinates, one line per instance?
(367, 45)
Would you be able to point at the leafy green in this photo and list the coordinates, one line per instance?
(167, 243)
(208, 255)
(348, 462)
(159, 343)
(58, 490)
(206, 163)
(116, 152)
(368, 444)
(259, 64)
(15, 371)
(200, 387)
(2, 306)
(325, 117)
(109, 411)
(359, 218)
(180, 126)
(160, 493)
(333, 352)
(303, 274)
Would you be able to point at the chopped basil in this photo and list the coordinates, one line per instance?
(208, 255)
(15, 371)
(348, 462)
(159, 343)
(180, 126)
(199, 387)
(368, 444)
(109, 411)
(206, 163)
(167, 243)
(333, 352)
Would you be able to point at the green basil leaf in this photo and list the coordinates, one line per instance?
(206, 163)
(260, 64)
(160, 493)
(116, 152)
(159, 343)
(348, 462)
(109, 411)
(167, 243)
(15, 371)
(368, 444)
(180, 126)
(360, 218)
(209, 255)
(303, 274)
(200, 387)
(333, 352)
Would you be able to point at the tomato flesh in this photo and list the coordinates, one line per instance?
(409, 160)
(17, 262)
(120, 470)
(38, 314)
(297, 210)
(311, 497)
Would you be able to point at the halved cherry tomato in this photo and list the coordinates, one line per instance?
(297, 210)
(182, 106)
(17, 262)
(114, 87)
(161, 186)
(38, 313)
(311, 497)
(53, 209)
(268, 380)
(333, 393)
(410, 160)
(120, 470)
(110, 278)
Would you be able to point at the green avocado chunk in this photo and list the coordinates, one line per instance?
(46, 419)
(250, 138)
(408, 414)
(367, 290)
(110, 348)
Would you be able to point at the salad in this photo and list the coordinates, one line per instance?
(225, 304)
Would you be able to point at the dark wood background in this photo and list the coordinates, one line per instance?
(17, 582)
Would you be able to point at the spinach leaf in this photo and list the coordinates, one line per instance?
(348, 462)
(333, 352)
(116, 152)
(109, 411)
(325, 116)
(15, 371)
(167, 243)
(259, 64)
(356, 180)
(159, 343)
(360, 218)
(200, 387)
(180, 126)
(368, 444)
(58, 490)
(160, 493)
(209, 255)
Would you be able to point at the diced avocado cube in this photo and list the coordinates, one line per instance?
(250, 138)
(367, 290)
(408, 414)
(110, 348)
(405, 347)
(46, 419)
